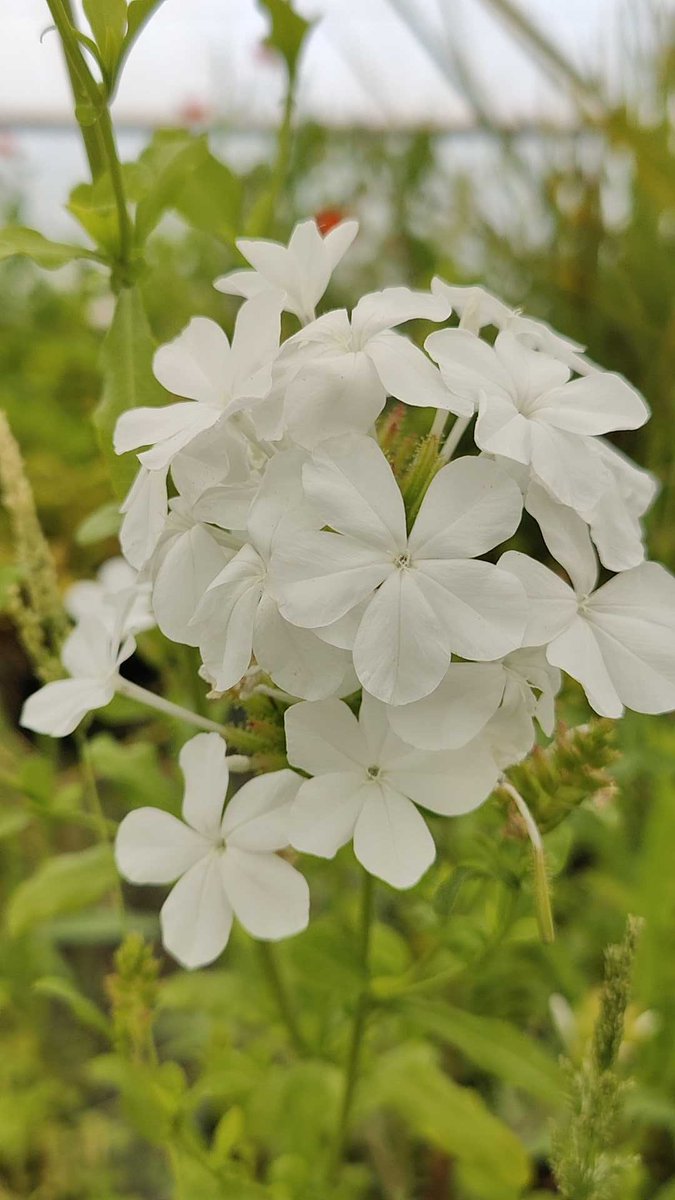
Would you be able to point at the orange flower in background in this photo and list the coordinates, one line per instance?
(327, 218)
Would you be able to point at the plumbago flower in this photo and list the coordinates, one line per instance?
(309, 546)
(226, 863)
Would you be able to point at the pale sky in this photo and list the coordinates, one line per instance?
(362, 63)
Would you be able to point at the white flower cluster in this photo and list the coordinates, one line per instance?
(270, 530)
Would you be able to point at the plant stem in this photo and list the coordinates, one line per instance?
(541, 886)
(453, 439)
(278, 989)
(439, 423)
(98, 814)
(133, 691)
(98, 135)
(361, 1013)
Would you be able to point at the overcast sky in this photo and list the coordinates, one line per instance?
(362, 63)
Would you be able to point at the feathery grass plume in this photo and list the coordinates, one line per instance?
(575, 767)
(132, 991)
(587, 1161)
(34, 601)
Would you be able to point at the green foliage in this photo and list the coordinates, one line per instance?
(288, 30)
(17, 240)
(128, 381)
(62, 884)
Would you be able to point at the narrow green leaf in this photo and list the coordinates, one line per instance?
(493, 1045)
(139, 12)
(12, 822)
(17, 240)
(211, 199)
(408, 1082)
(64, 884)
(288, 30)
(128, 381)
(103, 523)
(93, 207)
(108, 22)
(80, 1006)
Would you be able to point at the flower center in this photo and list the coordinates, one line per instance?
(402, 561)
(373, 772)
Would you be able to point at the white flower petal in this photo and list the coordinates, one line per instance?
(569, 466)
(257, 817)
(145, 510)
(533, 373)
(471, 505)
(378, 311)
(352, 487)
(552, 605)
(598, 403)
(297, 660)
(255, 344)
(332, 397)
(269, 897)
(448, 782)
(501, 429)
(633, 620)
(197, 363)
(152, 846)
(407, 374)
(482, 609)
(577, 652)
(191, 563)
(456, 711)
(401, 650)
(57, 708)
(468, 365)
(226, 617)
(241, 283)
(323, 736)
(510, 734)
(566, 536)
(325, 811)
(391, 839)
(318, 577)
(196, 917)
(338, 240)
(202, 761)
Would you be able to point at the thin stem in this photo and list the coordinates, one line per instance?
(454, 437)
(133, 691)
(361, 1013)
(85, 88)
(96, 806)
(541, 887)
(278, 989)
(439, 423)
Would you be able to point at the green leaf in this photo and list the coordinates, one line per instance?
(493, 1045)
(128, 381)
(288, 30)
(108, 22)
(135, 769)
(103, 523)
(17, 239)
(93, 207)
(12, 822)
(164, 168)
(139, 12)
(64, 884)
(211, 200)
(151, 1094)
(408, 1082)
(80, 1006)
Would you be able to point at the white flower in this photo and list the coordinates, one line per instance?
(470, 695)
(422, 597)
(301, 270)
(115, 581)
(92, 655)
(529, 411)
(144, 512)
(367, 783)
(239, 616)
(188, 557)
(618, 641)
(218, 379)
(225, 863)
(476, 308)
(336, 373)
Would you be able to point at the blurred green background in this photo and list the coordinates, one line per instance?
(577, 227)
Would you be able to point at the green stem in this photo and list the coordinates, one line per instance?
(278, 989)
(100, 145)
(96, 806)
(361, 1013)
